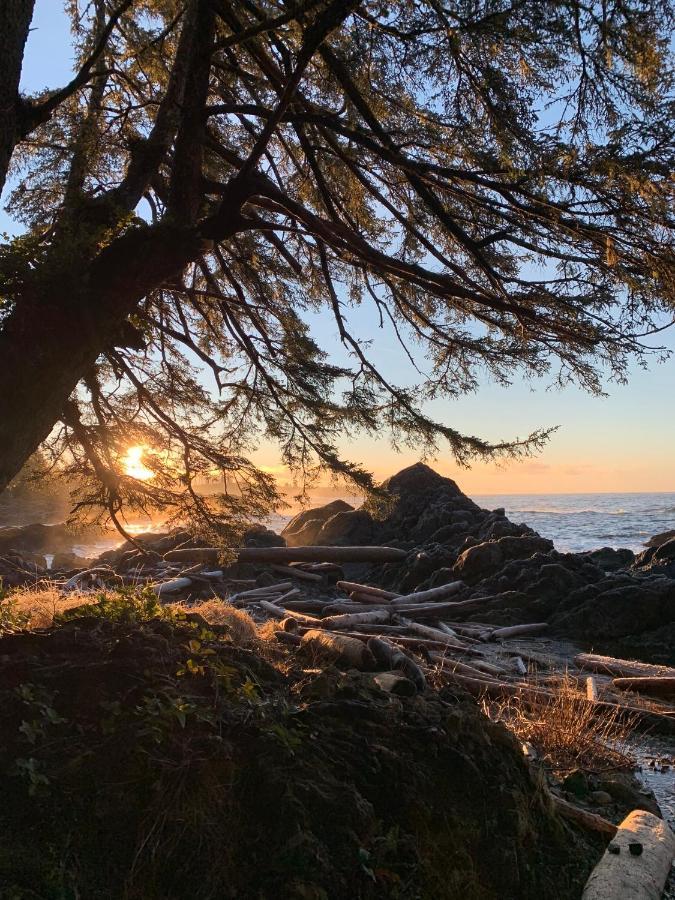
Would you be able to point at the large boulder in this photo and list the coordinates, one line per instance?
(304, 528)
(488, 557)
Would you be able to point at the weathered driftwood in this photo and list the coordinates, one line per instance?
(654, 686)
(387, 654)
(290, 554)
(591, 688)
(306, 605)
(287, 637)
(622, 668)
(449, 664)
(366, 599)
(172, 587)
(75, 580)
(351, 587)
(519, 665)
(278, 613)
(351, 619)
(262, 591)
(588, 820)
(511, 631)
(414, 643)
(431, 610)
(288, 597)
(434, 633)
(339, 647)
(634, 876)
(340, 607)
(295, 572)
(430, 596)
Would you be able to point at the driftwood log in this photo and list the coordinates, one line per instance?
(289, 554)
(350, 619)
(511, 631)
(340, 648)
(638, 871)
(430, 596)
(351, 587)
(588, 820)
(622, 668)
(392, 657)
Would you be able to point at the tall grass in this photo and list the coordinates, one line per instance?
(566, 731)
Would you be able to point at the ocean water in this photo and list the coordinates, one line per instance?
(576, 522)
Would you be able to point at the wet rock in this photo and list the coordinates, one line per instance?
(600, 798)
(661, 538)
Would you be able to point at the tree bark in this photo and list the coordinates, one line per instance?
(54, 334)
(15, 19)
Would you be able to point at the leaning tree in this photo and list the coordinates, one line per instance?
(493, 176)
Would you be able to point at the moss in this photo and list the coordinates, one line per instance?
(129, 771)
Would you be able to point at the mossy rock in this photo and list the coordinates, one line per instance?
(153, 759)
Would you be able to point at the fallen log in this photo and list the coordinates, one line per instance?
(655, 686)
(339, 648)
(294, 572)
(393, 683)
(448, 664)
(366, 599)
(350, 587)
(622, 668)
(430, 596)
(262, 591)
(172, 587)
(392, 657)
(637, 863)
(289, 554)
(278, 613)
(588, 820)
(502, 634)
(351, 619)
(434, 633)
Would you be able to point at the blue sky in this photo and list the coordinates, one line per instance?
(622, 442)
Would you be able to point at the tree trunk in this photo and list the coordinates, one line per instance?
(54, 334)
(15, 19)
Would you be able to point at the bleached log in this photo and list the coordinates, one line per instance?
(433, 633)
(340, 648)
(173, 586)
(622, 668)
(430, 596)
(502, 634)
(290, 554)
(294, 572)
(278, 613)
(519, 665)
(74, 581)
(288, 596)
(591, 688)
(425, 609)
(351, 619)
(654, 686)
(451, 665)
(634, 876)
(280, 587)
(590, 821)
(392, 657)
(350, 587)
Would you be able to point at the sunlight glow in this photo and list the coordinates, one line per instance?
(134, 466)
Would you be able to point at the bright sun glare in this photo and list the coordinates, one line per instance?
(133, 464)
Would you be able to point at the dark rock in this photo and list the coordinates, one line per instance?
(610, 560)
(483, 559)
(348, 528)
(303, 528)
(661, 538)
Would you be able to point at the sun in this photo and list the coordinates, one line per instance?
(134, 466)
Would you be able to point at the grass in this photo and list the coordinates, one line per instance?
(36, 607)
(566, 731)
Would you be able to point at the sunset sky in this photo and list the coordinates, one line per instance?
(622, 442)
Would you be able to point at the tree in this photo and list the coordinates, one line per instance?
(493, 175)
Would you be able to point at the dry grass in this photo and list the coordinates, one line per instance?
(566, 731)
(36, 607)
(240, 625)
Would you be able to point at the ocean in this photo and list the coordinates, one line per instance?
(577, 522)
(574, 522)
